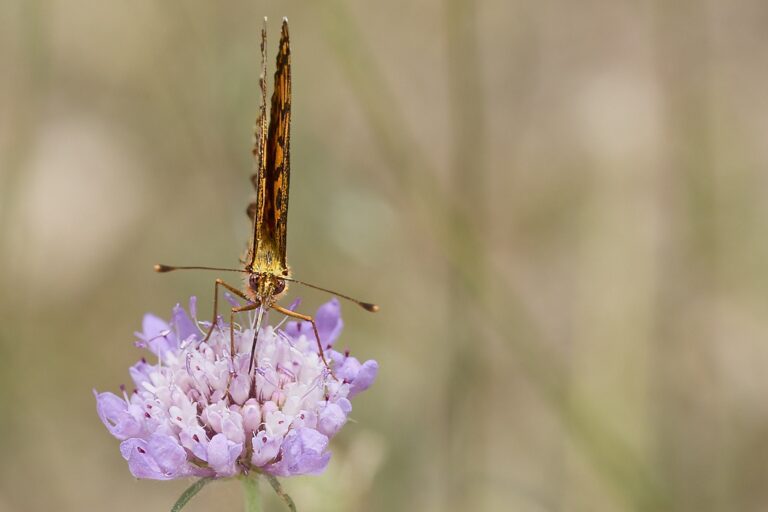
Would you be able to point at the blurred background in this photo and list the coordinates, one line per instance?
(560, 208)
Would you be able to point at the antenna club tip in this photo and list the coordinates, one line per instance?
(162, 268)
(373, 308)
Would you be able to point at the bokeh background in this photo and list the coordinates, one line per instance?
(561, 207)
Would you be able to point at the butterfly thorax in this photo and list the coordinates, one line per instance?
(264, 281)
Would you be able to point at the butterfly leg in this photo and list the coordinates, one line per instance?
(215, 320)
(305, 318)
(237, 309)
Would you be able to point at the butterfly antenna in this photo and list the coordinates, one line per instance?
(168, 268)
(373, 308)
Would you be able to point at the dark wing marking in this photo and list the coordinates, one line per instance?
(270, 211)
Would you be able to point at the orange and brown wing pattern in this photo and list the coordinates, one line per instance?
(270, 211)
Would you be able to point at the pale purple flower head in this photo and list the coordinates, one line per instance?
(197, 411)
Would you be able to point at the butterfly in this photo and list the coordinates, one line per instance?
(265, 266)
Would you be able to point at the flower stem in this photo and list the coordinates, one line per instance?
(190, 493)
(275, 483)
(251, 489)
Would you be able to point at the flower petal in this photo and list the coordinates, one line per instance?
(303, 453)
(306, 419)
(168, 453)
(158, 458)
(348, 369)
(329, 322)
(140, 463)
(240, 388)
(296, 329)
(265, 448)
(195, 440)
(113, 412)
(331, 419)
(222, 454)
(183, 325)
(157, 335)
(251, 414)
(364, 378)
(294, 304)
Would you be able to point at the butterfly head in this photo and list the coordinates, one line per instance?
(265, 287)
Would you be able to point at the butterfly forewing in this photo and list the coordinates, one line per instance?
(272, 151)
(259, 139)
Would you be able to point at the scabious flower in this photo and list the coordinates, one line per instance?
(197, 411)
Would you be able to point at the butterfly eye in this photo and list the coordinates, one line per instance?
(280, 286)
(253, 281)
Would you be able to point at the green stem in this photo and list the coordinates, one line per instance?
(275, 483)
(252, 498)
(190, 493)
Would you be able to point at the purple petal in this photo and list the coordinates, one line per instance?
(127, 446)
(113, 412)
(159, 457)
(184, 326)
(213, 416)
(306, 419)
(168, 453)
(222, 454)
(140, 463)
(240, 388)
(265, 448)
(231, 299)
(348, 369)
(251, 414)
(195, 440)
(345, 405)
(157, 335)
(232, 427)
(337, 358)
(364, 378)
(331, 419)
(303, 453)
(296, 329)
(329, 322)
(153, 326)
(140, 373)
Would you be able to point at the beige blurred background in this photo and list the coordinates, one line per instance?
(559, 205)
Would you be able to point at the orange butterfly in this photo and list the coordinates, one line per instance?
(266, 267)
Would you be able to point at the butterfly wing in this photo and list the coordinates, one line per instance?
(272, 151)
